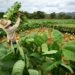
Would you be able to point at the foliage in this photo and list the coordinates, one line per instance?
(1, 14)
(33, 72)
(38, 15)
(35, 56)
(57, 36)
(53, 15)
(33, 47)
(18, 68)
(14, 9)
(69, 50)
(61, 25)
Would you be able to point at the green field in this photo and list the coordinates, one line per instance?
(58, 21)
(61, 22)
(63, 25)
(40, 46)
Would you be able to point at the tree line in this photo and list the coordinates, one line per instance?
(43, 15)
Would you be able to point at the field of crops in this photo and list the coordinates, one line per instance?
(44, 46)
(62, 25)
(54, 21)
(41, 47)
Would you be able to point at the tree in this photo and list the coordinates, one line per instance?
(61, 15)
(1, 14)
(53, 15)
(68, 16)
(39, 15)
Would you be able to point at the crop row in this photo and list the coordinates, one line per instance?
(61, 25)
(48, 24)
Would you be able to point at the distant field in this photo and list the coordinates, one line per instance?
(60, 24)
(54, 21)
(64, 25)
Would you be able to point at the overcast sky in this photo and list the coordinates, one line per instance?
(42, 5)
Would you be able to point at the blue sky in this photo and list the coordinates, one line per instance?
(42, 5)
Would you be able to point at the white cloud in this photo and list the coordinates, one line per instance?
(42, 5)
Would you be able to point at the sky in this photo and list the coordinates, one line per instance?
(47, 6)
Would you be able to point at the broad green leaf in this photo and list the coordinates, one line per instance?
(69, 55)
(71, 42)
(33, 72)
(67, 67)
(29, 40)
(55, 46)
(44, 37)
(57, 36)
(27, 61)
(70, 47)
(50, 52)
(7, 61)
(40, 38)
(35, 55)
(4, 49)
(37, 40)
(21, 51)
(49, 66)
(18, 67)
(44, 47)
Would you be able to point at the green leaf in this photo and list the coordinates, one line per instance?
(49, 66)
(68, 55)
(33, 72)
(27, 61)
(3, 50)
(4, 72)
(40, 38)
(18, 67)
(44, 36)
(70, 47)
(44, 47)
(71, 42)
(29, 40)
(50, 52)
(57, 36)
(67, 67)
(7, 61)
(11, 11)
(55, 46)
(21, 51)
(36, 55)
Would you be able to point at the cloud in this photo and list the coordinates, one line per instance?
(42, 5)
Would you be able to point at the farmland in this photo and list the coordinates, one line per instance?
(62, 24)
(65, 26)
(33, 38)
(57, 24)
(39, 47)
